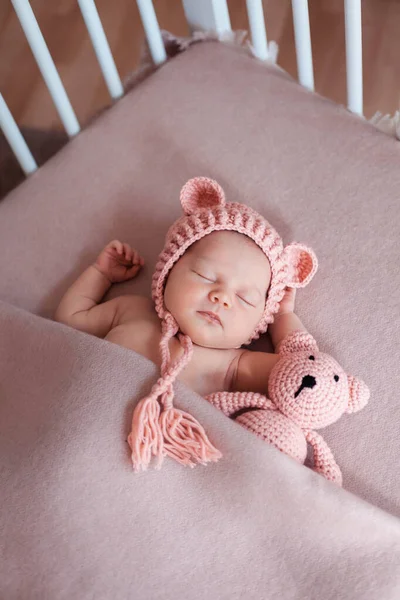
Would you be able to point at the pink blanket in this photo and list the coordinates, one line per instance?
(75, 521)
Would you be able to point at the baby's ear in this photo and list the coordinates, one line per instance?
(303, 264)
(358, 394)
(201, 192)
(298, 341)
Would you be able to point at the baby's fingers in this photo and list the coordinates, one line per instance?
(116, 245)
(137, 259)
(133, 271)
(132, 255)
(128, 252)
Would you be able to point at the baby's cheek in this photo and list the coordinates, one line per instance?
(192, 294)
(249, 319)
(188, 296)
(241, 326)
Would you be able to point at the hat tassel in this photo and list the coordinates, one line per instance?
(146, 439)
(172, 432)
(185, 439)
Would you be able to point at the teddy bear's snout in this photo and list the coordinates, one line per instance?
(308, 381)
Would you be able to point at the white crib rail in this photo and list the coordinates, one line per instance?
(15, 139)
(258, 30)
(210, 15)
(203, 14)
(152, 30)
(302, 36)
(101, 47)
(52, 79)
(46, 65)
(354, 70)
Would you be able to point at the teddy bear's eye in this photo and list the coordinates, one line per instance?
(311, 357)
(336, 378)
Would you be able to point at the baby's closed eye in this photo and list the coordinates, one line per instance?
(207, 277)
(247, 300)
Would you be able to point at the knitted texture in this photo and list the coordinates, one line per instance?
(307, 389)
(157, 428)
(232, 402)
(173, 432)
(274, 428)
(263, 419)
(206, 210)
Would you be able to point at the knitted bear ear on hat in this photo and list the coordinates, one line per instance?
(302, 263)
(201, 192)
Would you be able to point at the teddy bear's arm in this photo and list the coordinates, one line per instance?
(324, 461)
(231, 402)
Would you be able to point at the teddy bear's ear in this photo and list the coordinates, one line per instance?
(201, 192)
(298, 341)
(358, 394)
(303, 264)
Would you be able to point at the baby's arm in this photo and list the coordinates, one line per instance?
(285, 321)
(80, 306)
(254, 368)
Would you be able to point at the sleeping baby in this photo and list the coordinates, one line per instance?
(223, 277)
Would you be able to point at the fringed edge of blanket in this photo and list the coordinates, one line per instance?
(387, 124)
(175, 45)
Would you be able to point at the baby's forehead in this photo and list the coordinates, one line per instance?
(235, 252)
(225, 241)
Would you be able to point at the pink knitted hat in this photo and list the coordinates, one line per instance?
(173, 432)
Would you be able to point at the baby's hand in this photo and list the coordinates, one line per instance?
(119, 262)
(287, 302)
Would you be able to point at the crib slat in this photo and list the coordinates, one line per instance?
(46, 65)
(354, 69)
(152, 30)
(208, 15)
(15, 139)
(302, 37)
(258, 31)
(101, 47)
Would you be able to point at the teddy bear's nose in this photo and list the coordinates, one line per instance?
(308, 381)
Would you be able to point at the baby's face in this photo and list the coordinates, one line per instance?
(217, 290)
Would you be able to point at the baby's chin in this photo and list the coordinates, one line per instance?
(207, 337)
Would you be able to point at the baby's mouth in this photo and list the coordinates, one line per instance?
(211, 317)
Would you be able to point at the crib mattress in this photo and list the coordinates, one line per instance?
(321, 176)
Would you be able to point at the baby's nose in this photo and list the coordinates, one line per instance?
(220, 297)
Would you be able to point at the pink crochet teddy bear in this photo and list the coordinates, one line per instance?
(307, 390)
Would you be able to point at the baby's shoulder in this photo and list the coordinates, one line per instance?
(134, 308)
(210, 370)
(218, 364)
(253, 371)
